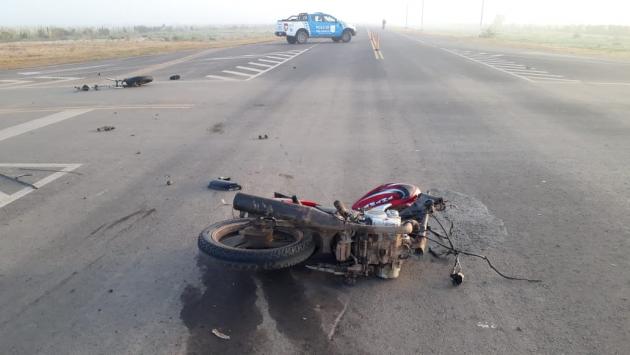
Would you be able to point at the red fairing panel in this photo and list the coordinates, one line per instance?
(398, 195)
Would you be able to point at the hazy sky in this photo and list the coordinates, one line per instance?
(436, 12)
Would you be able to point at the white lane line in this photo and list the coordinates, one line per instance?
(64, 70)
(237, 73)
(266, 70)
(606, 83)
(9, 82)
(541, 72)
(120, 107)
(260, 64)
(284, 55)
(40, 122)
(488, 65)
(510, 66)
(55, 80)
(248, 68)
(276, 58)
(220, 77)
(65, 168)
(269, 61)
(545, 75)
(542, 78)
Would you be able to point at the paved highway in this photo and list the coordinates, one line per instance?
(531, 148)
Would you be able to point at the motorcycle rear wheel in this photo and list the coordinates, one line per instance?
(285, 247)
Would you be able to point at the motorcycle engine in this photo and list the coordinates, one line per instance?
(381, 254)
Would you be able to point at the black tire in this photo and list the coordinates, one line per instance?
(336, 39)
(346, 36)
(281, 257)
(291, 39)
(301, 36)
(137, 80)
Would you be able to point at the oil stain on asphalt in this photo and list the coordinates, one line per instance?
(227, 303)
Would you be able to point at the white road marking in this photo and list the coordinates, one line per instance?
(266, 70)
(260, 64)
(276, 58)
(607, 83)
(237, 73)
(488, 65)
(9, 82)
(248, 68)
(220, 77)
(54, 80)
(6, 199)
(64, 70)
(524, 72)
(40, 122)
(269, 61)
(120, 107)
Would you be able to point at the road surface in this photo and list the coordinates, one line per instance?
(531, 148)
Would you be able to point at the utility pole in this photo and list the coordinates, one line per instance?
(407, 16)
(481, 20)
(422, 17)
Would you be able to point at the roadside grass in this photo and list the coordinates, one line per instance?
(601, 41)
(127, 43)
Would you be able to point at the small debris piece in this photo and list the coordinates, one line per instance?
(138, 153)
(169, 182)
(222, 184)
(174, 77)
(260, 136)
(110, 290)
(220, 335)
(85, 88)
(105, 128)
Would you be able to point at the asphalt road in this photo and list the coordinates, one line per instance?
(531, 148)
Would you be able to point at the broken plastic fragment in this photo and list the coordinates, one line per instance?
(220, 335)
(223, 184)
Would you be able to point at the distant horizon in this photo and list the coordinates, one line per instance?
(437, 13)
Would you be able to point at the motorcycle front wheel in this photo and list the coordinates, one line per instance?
(237, 243)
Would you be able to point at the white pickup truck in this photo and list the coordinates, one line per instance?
(298, 28)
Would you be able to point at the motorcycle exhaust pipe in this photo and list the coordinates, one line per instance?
(298, 214)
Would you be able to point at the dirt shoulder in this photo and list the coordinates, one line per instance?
(550, 44)
(16, 55)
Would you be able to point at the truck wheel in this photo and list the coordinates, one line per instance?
(301, 36)
(291, 39)
(336, 39)
(346, 36)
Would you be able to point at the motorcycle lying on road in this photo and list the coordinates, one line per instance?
(383, 228)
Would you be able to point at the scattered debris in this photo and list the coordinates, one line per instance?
(17, 179)
(53, 170)
(486, 325)
(105, 129)
(217, 128)
(331, 334)
(220, 335)
(223, 184)
(286, 176)
(174, 77)
(260, 136)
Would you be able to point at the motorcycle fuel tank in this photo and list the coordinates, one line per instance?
(397, 195)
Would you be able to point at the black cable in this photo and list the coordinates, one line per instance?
(483, 257)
